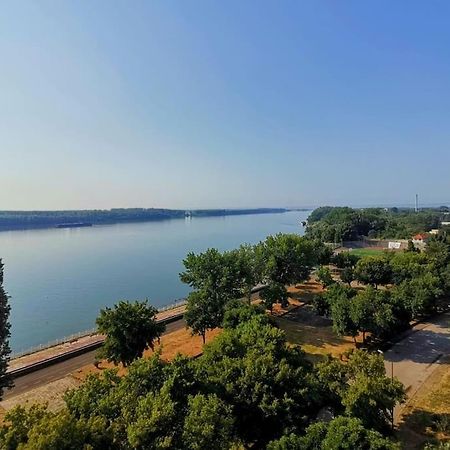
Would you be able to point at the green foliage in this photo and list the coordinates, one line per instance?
(371, 311)
(274, 293)
(203, 312)
(216, 278)
(267, 383)
(360, 388)
(408, 265)
(250, 267)
(288, 258)
(5, 379)
(130, 328)
(37, 428)
(342, 433)
(336, 224)
(324, 276)
(347, 275)
(208, 424)
(237, 312)
(418, 296)
(345, 260)
(373, 270)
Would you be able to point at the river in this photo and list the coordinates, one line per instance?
(58, 279)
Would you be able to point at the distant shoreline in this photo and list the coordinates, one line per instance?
(29, 220)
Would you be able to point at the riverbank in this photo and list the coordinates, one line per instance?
(76, 346)
(28, 220)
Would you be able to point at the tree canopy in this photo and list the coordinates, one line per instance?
(130, 328)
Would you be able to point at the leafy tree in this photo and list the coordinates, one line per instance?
(155, 421)
(237, 312)
(216, 278)
(345, 260)
(408, 265)
(373, 270)
(250, 268)
(37, 428)
(208, 423)
(274, 293)
(130, 328)
(339, 298)
(347, 275)
(203, 313)
(288, 258)
(363, 388)
(266, 382)
(371, 312)
(322, 302)
(419, 295)
(5, 379)
(324, 276)
(215, 274)
(342, 433)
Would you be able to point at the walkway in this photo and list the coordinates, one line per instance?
(417, 355)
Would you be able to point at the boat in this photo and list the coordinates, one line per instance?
(74, 225)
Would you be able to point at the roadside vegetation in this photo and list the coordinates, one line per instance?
(253, 386)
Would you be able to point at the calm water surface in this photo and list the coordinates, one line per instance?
(58, 279)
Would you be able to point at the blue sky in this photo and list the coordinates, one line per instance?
(223, 104)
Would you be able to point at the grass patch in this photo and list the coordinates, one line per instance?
(366, 251)
(427, 416)
(312, 333)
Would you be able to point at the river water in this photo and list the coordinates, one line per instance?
(58, 279)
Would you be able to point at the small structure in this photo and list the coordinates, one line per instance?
(420, 240)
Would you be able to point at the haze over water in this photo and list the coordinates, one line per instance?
(58, 279)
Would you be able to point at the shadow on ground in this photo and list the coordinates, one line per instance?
(422, 426)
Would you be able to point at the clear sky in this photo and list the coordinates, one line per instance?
(223, 103)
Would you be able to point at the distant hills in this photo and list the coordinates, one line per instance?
(12, 220)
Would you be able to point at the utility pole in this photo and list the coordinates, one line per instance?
(417, 203)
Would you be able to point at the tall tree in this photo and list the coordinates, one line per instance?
(373, 270)
(130, 328)
(203, 312)
(216, 280)
(5, 379)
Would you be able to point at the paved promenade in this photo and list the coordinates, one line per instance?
(76, 344)
(416, 356)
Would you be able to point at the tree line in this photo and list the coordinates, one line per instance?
(249, 389)
(337, 224)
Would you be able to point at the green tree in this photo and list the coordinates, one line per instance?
(216, 278)
(266, 382)
(130, 328)
(324, 276)
(208, 424)
(342, 433)
(419, 295)
(371, 312)
(274, 293)
(288, 258)
(373, 270)
(155, 421)
(363, 388)
(347, 275)
(250, 268)
(5, 379)
(237, 312)
(203, 312)
(214, 273)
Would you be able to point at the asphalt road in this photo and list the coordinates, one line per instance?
(414, 358)
(64, 368)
